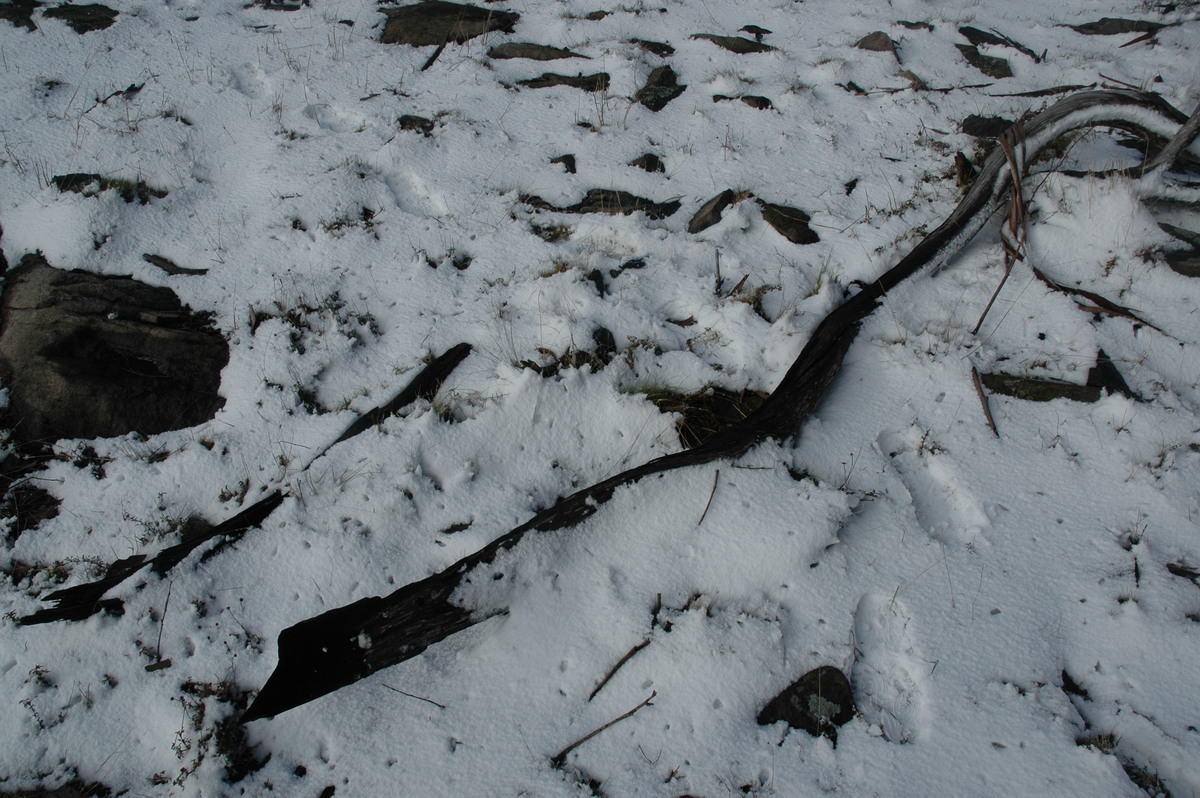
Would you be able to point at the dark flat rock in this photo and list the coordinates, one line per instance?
(986, 127)
(661, 49)
(818, 702)
(735, 44)
(1034, 389)
(596, 82)
(791, 223)
(20, 13)
(878, 42)
(435, 22)
(603, 200)
(84, 18)
(534, 52)
(91, 355)
(987, 64)
(649, 162)
(1112, 26)
(661, 87)
(710, 212)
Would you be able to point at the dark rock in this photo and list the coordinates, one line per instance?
(756, 102)
(985, 127)
(596, 16)
(535, 52)
(649, 162)
(435, 22)
(878, 42)
(1183, 234)
(735, 44)
(606, 345)
(1111, 26)
(661, 87)
(20, 13)
(660, 49)
(596, 278)
(818, 702)
(710, 212)
(755, 31)
(567, 161)
(85, 18)
(1033, 389)
(603, 200)
(920, 25)
(987, 64)
(89, 184)
(89, 355)
(976, 36)
(282, 5)
(597, 82)
(171, 267)
(791, 223)
(1186, 263)
(850, 185)
(417, 123)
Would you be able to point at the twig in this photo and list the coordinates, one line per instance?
(558, 759)
(162, 621)
(987, 412)
(1014, 243)
(717, 289)
(1099, 303)
(612, 672)
(716, 476)
(419, 698)
(434, 57)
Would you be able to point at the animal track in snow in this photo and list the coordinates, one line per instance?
(945, 506)
(888, 677)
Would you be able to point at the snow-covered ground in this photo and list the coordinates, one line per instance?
(1014, 611)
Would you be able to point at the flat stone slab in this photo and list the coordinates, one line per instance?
(435, 23)
(87, 355)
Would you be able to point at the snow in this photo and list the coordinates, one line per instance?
(954, 575)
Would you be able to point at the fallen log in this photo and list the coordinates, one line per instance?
(82, 601)
(339, 647)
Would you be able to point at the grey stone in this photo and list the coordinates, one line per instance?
(88, 355)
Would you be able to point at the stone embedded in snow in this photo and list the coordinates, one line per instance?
(85, 18)
(987, 64)
(535, 52)
(985, 127)
(1033, 389)
(20, 13)
(791, 223)
(710, 212)
(649, 162)
(661, 87)
(1110, 26)
(596, 82)
(735, 44)
(878, 42)
(661, 49)
(603, 200)
(436, 22)
(818, 702)
(89, 355)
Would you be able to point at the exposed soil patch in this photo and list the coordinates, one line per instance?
(989, 65)
(735, 44)
(90, 184)
(661, 87)
(20, 13)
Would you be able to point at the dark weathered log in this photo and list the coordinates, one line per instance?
(81, 601)
(339, 647)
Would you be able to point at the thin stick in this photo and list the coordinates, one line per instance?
(612, 672)
(162, 621)
(419, 698)
(987, 412)
(558, 759)
(716, 476)
(1015, 243)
